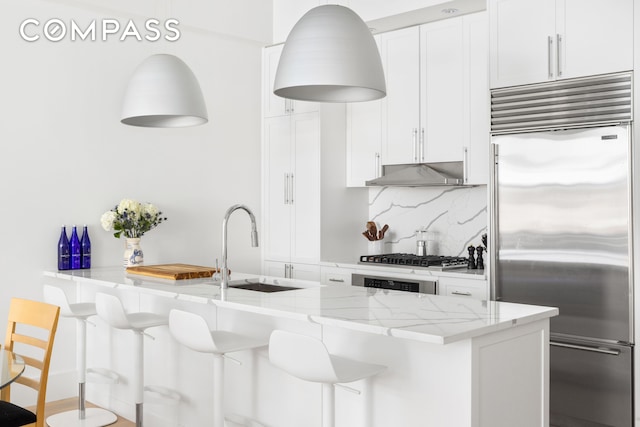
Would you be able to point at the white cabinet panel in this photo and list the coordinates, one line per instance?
(305, 188)
(277, 161)
(442, 91)
(598, 36)
(364, 142)
(400, 52)
(292, 188)
(537, 41)
(476, 93)
(520, 50)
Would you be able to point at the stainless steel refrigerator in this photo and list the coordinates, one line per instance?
(561, 224)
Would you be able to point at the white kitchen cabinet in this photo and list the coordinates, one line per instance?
(544, 40)
(441, 91)
(476, 121)
(335, 276)
(293, 270)
(437, 103)
(400, 53)
(274, 105)
(463, 287)
(292, 188)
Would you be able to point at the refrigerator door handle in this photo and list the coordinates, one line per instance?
(604, 350)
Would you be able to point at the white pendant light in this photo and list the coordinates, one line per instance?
(330, 56)
(163, 92)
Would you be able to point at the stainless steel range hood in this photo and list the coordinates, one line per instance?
(420, 175)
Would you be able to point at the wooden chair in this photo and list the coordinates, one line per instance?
(23, 316)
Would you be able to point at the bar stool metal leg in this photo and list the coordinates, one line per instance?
(83, 416)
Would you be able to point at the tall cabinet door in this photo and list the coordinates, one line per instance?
(277, 170)
(441, 75)
(521, 32)
(597, 37)
(305, 188)
(400, 52)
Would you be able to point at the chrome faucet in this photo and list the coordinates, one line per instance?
(254, 239)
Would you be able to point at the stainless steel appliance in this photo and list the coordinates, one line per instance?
(424, 286)
(433, 262)
(561, 235)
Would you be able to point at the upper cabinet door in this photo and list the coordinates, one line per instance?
(537, 41)
(400, 52)
(596, 36)
(441, 84)
(522, 41)
(273, 105)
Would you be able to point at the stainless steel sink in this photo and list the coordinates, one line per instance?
(255, 285)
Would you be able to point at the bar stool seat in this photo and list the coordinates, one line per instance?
(307, 358)
(111, 310)
(81, 417)
(192, 331)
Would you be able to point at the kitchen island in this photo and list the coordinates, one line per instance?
(451, 361)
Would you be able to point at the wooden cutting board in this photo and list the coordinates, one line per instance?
(173, 271)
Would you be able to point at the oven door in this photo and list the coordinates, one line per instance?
(397, 284)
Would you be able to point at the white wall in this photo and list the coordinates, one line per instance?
(66, 158)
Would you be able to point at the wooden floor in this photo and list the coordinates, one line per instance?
(52, 408)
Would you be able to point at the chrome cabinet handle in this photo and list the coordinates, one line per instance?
(414, 138)
(464, 294)
(550, 56)
(603, 350)
(286, 271)
(465, 165)
(291, 190)
(558, 54)
(290, 271)
(377, 166)
(336, 280)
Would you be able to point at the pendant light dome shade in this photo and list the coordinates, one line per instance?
(330, 56)
(163, 92)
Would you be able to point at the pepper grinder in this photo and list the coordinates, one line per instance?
(472, 262)
(480, 262)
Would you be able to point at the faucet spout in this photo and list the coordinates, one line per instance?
(254, 239)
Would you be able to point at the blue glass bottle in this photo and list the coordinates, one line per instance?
(85, 248)
(64, 258)
(75, 249)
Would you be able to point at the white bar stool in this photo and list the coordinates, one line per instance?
(111, 310)
(307, 358)
(191, 330)
(85, 417)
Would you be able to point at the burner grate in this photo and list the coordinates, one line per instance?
(411, 260)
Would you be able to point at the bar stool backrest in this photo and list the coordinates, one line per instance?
(56, 296)
(110, 309)
(302, 356)
(191, 331)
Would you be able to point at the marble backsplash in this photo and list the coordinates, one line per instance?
(455, 217)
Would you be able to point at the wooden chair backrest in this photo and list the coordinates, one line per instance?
(32, 314)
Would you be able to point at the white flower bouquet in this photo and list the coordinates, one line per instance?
(131, 218)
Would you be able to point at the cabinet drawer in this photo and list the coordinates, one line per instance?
(335, 277)
(476, 292)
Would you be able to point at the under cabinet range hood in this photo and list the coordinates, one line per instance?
(420, 175)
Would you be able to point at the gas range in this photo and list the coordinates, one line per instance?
(431, 262)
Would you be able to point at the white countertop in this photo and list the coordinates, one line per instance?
(427, 318)
(462, 273)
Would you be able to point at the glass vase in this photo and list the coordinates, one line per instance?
(133, 255)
